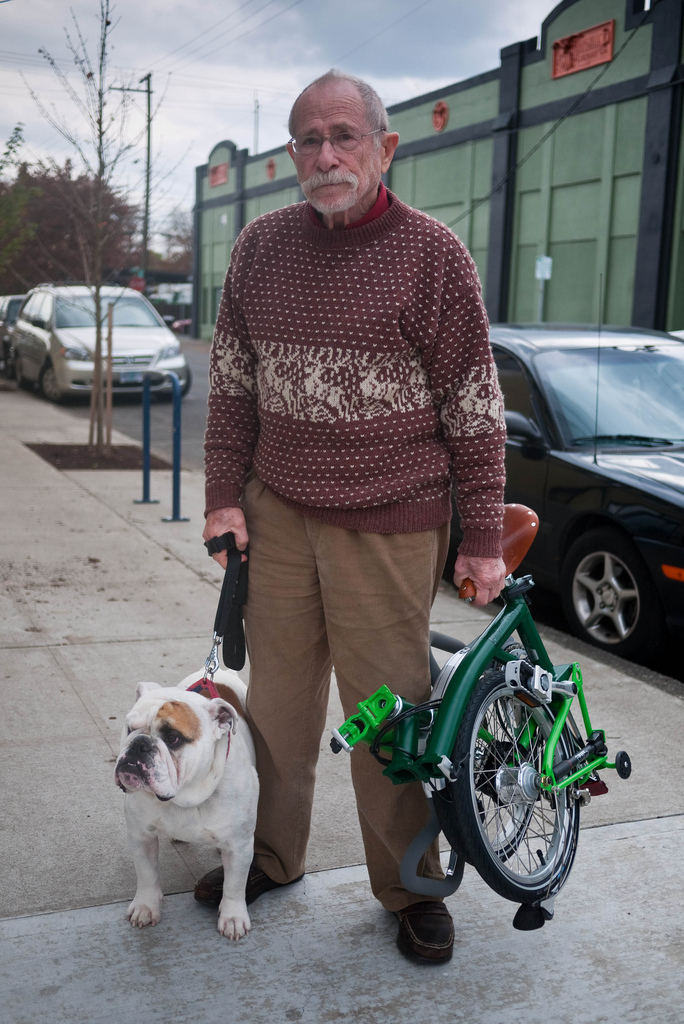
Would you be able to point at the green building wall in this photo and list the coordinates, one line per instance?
(586, 168)
(577, 200)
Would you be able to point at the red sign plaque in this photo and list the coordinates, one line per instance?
(440, 115)
(584, 49)
(218, 175)
(270, 169)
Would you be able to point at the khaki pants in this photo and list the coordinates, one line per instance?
(321, 596)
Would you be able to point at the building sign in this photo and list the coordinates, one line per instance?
(583, 49)
(270, 169)
(543, 265)
(440, 116)
(218, 175)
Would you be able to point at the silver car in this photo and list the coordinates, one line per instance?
(53, 341)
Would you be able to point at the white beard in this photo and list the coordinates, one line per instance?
(345, 202)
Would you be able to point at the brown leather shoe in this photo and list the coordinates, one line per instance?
(426, 932)
(258, 883)
(209, 889)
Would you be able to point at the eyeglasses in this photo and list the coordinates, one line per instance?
(341, 142)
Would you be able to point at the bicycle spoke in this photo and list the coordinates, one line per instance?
(523, 831)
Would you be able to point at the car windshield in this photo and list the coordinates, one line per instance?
(79, 311)
(617, 396)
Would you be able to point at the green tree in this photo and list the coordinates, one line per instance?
(59, 209)
(15, 196)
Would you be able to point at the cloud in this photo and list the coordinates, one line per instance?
(210, 60)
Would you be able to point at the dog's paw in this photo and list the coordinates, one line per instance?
(141, 914)
(233, 920)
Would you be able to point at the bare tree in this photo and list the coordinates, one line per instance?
(177, 232)
(100, 137)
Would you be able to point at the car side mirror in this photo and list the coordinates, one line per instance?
(521, 428)
(38, 321)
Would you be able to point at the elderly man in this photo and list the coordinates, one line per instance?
(351, 381)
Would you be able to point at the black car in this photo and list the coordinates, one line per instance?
(596, 447)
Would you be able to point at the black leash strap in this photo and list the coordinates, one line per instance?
(228, 626)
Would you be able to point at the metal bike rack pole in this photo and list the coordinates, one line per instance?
(176, 517)
(147, 401)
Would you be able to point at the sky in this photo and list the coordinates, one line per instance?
(212, 62)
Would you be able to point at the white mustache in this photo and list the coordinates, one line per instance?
(333, 177)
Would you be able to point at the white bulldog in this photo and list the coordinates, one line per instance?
(187, 766)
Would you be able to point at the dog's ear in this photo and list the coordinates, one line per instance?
(224, 714)
(142, 688)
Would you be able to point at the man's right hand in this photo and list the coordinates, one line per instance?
(226, 520)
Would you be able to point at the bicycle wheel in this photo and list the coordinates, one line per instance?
(520, 839)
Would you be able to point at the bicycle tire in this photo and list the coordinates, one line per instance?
(521, 841)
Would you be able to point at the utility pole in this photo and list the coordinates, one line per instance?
(146, 220)
(256, 122)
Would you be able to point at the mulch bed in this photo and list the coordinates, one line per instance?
(82, 456)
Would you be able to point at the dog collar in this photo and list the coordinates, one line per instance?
(210, 686)
(205, 684)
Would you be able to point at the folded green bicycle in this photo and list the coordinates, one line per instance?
(502, 760)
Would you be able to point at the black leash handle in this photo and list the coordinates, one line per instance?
(228, 627)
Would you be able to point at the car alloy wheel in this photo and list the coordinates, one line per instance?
(8, 363)
(48, 384)
(608, 596)
(21, 379)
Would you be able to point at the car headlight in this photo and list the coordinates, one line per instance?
(169, 351)
(75, 353)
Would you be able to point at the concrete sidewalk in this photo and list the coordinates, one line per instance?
(100, 593)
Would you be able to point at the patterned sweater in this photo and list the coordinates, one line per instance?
(352, 371)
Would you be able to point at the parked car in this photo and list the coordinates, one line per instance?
(596, 448)
(9, 307)
(53, 341)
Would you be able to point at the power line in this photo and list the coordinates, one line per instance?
(9, 57)
(189, 81)
(232, 28)
(206, 30)
(547, 135)
(382, 31)
(180, 79)
(235, 39)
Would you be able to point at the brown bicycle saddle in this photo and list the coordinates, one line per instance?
(520, 525)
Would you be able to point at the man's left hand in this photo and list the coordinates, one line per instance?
(487, 574)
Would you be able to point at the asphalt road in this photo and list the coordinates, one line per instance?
(127, 412)
(127, 417)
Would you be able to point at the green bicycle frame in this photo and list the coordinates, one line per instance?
(408, 764)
